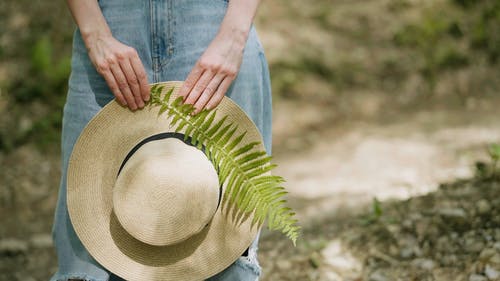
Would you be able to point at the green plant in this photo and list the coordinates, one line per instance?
(375, 215)
(433, 39)
(489, 169)
(38, 95)
(494, 152)
(244, 169)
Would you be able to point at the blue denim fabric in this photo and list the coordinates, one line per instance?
(169, 36)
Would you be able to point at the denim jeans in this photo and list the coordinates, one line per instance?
(169, 36)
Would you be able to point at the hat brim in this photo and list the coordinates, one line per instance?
(93, 166)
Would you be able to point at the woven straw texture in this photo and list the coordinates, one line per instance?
(91, 179)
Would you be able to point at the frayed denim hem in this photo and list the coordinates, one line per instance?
(76, 276)
(249, 264)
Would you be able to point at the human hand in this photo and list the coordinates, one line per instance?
(122, 69)
(214, 71)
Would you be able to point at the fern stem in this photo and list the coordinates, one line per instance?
(279, 218)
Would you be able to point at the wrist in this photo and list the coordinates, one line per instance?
(236, 34)
(238, 19)
(91, 35)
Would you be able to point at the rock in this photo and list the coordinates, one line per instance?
(338, 258)
(425, 264)
(497, 235)
(393, 250)
(331, 276)
(378, 276)
(476, 266)
(25, 124)
(483, 207)
(421, 228)
(486, 254)
(406, 252)
(491, 273)
(344, 263)
(473, 245)
(453, 213)
(284, 264)
(477, 277)
(446, 274)
(41, 241)
(495, 259)
(13, 246)
(273, 253)
(442, 243)
(456, 217)
(407, 224)
(448, 260)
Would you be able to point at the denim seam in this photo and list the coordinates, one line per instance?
(165, 59)
(154, 38)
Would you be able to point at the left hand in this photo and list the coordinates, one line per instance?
(214, 72)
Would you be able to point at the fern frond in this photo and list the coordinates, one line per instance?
(243, 169)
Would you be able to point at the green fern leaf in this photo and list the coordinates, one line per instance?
(166, 98)
(208, 122)
(244, 170)
(227, 136)
(181, 125)
(216, 138)
(235, 142)
(163, 108)
(256, 163)
(217, 126)
(188, 131)
(250, 156)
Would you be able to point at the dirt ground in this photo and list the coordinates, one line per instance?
(381, 170)
(333, 172)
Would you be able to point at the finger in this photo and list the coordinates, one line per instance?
(123, 86)
(191, 80)
(140, 73)
(132, 81)
(209, 91)
(113, 86)
(220, 93)
(200, 86)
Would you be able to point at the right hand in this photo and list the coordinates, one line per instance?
(122, 69)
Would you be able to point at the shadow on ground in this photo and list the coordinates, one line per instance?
(452, 233)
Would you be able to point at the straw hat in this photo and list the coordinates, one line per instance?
(147, 204)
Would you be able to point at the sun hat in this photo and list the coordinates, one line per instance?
(162, 194)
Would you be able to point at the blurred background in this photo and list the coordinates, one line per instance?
(386, 126)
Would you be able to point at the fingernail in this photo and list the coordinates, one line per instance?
(147, 98)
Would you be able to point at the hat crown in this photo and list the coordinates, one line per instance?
(166, 192)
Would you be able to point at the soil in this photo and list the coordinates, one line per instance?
(381, 173)
(423, 230)
(436, 219)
